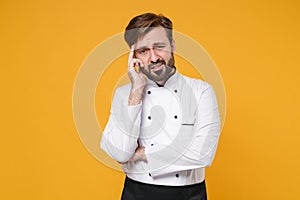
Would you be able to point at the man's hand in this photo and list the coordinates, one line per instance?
(139, 155)
(137, 78)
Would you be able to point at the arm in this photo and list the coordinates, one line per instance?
(120, 136)
(119, 139)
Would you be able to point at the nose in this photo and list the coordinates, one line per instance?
(153, 56)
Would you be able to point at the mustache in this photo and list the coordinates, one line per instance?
(159, 61)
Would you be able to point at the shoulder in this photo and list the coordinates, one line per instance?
(197, 85)
(123, 91)
(123, 88)
(121, 95)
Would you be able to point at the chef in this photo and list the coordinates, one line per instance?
(163, 126)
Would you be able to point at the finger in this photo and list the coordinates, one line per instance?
(130, 58)
(135, 63)
(139, 66)
(131, 53)
(122, 163)
(133, 159)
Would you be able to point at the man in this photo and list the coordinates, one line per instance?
(163, 127)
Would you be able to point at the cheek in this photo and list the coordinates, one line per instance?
(166, 56)
(144, 59)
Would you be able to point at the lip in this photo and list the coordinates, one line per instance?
(157, 68)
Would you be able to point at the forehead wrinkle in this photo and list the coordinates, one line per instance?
(149, 45)
(157, 35)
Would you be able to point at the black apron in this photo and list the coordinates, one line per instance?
(134, 190)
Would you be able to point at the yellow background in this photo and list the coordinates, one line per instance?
(255, 45)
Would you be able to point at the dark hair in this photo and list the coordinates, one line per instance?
(142, 24)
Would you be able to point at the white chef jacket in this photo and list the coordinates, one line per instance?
(178, 124)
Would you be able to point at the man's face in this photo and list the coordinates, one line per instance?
(156, 53)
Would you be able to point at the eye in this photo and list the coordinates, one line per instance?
(143, 51)
(160, 47)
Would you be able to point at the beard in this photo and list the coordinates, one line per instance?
(162, 74)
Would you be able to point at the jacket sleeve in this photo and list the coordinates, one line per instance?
(119, 139)
(196, 144)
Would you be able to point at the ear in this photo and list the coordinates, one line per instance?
(173, 47)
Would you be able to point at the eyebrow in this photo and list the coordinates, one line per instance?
(155, 44)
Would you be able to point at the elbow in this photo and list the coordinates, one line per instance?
(120, 155)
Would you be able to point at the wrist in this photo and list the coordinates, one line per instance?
(137, 87)
(136, 96)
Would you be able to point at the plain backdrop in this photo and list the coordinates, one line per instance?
(255, 45)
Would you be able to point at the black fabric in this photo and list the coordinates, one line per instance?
(134, 190)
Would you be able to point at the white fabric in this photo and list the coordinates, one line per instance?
(178, 125)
